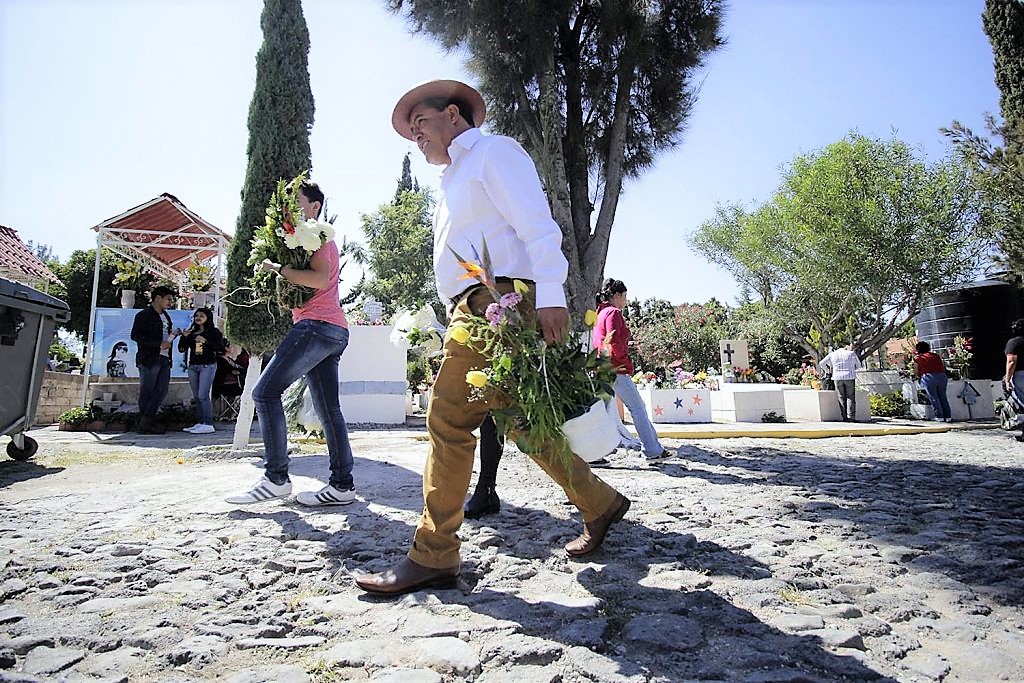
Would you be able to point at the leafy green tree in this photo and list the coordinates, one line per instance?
(280, 119)
(854, 239)
(399, 238)
(771, 350)
(593, 90)
(77, 276)
(683, 336)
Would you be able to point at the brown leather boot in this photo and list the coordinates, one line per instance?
(594, 531)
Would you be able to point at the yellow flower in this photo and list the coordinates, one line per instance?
(460, 334)
(590, 317)
(476, 378)
(181, 461)
(520, 286)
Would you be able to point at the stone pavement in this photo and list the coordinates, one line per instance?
(896, 557)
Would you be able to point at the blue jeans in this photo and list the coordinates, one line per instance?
(201, 379)
(934, 384)
(1018, 385)
(153, 382)
(312, 348)
(626, 390)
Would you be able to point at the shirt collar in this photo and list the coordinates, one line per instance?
(463, 142)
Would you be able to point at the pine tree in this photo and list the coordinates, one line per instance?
(280, 119)
(1003, 21)
(405, 183)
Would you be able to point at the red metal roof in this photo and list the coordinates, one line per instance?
(160, 225)
(16, 258)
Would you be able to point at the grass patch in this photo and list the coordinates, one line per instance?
(795, 596)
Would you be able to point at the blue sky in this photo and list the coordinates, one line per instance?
(104, 104)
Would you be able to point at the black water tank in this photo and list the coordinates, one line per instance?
(982, 311)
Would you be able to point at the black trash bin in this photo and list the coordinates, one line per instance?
(27, 321)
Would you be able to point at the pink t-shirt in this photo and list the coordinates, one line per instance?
(324, 305)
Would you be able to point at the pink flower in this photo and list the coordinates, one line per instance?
(494, 314)
(509, 300)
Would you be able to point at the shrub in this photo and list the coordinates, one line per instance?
(772, 416)
(888, 405)
(76, 417)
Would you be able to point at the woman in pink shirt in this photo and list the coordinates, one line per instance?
(312, 348)
(611, 335)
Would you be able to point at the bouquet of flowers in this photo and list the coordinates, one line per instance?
(960, 356)
(540, 386)
(289, 238)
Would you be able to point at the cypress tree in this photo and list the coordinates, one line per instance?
(1004, 25)
(280, 119)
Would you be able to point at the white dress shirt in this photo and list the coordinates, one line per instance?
(491, 190)
(843, 363)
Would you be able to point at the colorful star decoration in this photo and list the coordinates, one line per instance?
(689, 411)
(696, 399)
(658, 410)
(679, 403)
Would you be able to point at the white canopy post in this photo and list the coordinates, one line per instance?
(89, 345)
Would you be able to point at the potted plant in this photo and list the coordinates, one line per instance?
(129, 278)
(81, 419)
(199, 280)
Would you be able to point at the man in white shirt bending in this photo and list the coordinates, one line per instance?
(843, 363)
(489, 191)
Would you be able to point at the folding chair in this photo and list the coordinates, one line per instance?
(225, 408)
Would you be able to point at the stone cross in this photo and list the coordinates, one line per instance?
(734, 352)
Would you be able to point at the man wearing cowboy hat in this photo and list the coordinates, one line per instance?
(489, 191)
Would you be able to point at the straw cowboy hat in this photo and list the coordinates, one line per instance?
(455, 91)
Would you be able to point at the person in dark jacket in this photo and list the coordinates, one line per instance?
(154, 333)
(201, 343)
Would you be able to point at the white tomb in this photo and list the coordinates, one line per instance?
(676, 406)
(813, 405)
(372, 379)
(748, 402)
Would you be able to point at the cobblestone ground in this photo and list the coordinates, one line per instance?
(882, 558)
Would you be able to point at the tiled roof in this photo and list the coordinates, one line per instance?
(16, 259)
(164, 229)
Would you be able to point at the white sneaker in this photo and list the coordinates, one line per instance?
(328, 495)
(263, 491)
(202, 429)
(191, 430)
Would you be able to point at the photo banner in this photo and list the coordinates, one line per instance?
(113, 349)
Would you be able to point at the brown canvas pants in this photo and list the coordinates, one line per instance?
(451, 419)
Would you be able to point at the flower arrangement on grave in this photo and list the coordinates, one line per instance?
(198, 276)
(806, 375)
(289, 238)
(677, 379)
(542, 385)
(745, 374)
(960, 356)
(130, 275)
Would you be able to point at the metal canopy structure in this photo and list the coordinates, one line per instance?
(164, 235)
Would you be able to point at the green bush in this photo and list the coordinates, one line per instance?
(76, 417)
(772, 416)
(888, 405)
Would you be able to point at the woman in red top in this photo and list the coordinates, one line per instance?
(611, 335)
(932, 372)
